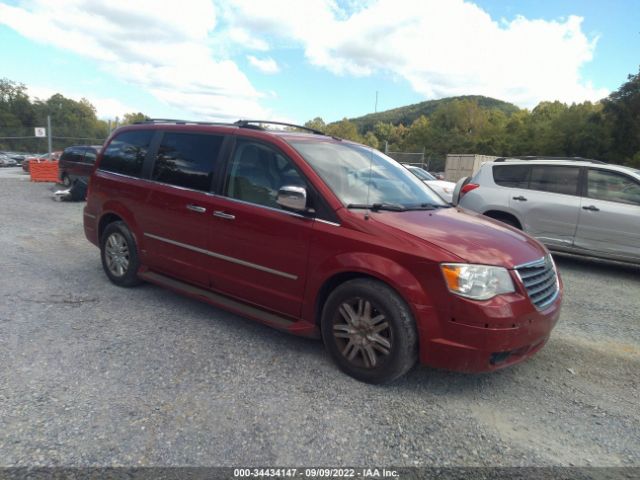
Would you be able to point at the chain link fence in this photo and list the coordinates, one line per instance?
(23, 140)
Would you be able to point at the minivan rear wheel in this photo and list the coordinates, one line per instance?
(369, 331)
(119, 255)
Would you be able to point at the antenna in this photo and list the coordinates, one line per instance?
(375, 108)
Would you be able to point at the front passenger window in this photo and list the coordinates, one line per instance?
(613, 187)
(257, 172)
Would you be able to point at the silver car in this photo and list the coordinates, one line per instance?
(441, 187)
(578, 206)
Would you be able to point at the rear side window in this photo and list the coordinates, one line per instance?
(90, 156)
(187, 160)
(72, 154)
(614, 187)
(554, 179)
(515, 176)
(125, 154)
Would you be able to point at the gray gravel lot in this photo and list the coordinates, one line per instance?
(92, 374)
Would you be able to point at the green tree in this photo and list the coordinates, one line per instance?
(317, 124)
(622, 108)
(418, 136)
(344, 129)
(131, 118)
(371, 140)
(71, 121)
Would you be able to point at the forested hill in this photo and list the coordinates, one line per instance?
(409, 113)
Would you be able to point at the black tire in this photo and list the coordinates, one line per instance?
(343, 336)
(66, 181)
(119, 255)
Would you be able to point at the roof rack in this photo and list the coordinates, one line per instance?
(256, 124)
(153, 121)
(565, 159)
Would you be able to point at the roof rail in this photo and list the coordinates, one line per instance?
(560, 159)
(154, 121)
(256, 124)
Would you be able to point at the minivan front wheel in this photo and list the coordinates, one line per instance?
(119, 255)
(369, 331)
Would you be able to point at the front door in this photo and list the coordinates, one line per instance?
(610, 215)
(263, 248)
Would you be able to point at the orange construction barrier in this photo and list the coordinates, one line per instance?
(43, 171)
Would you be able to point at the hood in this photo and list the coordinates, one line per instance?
(470, 236)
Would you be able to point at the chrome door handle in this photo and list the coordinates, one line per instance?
(593, 208)
(221, 214)
(196, 208)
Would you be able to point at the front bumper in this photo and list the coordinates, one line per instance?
(471, 336)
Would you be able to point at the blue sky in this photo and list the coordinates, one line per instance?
(293, 60)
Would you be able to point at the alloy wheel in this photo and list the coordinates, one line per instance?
(362, 333)
(117, 254)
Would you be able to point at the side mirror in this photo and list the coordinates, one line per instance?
(456, 191)
(292, 198)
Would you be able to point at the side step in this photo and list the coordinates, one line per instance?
(216, 299)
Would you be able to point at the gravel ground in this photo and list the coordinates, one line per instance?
(92, 374)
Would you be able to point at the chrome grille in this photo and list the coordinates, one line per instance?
(540, 280)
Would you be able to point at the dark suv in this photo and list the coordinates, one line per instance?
(77, 162)
(319, 236)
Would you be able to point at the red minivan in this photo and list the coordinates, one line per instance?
(319, 236)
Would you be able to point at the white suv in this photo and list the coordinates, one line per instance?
(575, 205)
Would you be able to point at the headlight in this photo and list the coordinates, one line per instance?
(479, 282)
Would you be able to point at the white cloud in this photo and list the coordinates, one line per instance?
(265, 65)
(182, 52)
(162, 47)
(440, 48)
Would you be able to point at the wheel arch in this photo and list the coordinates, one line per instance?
(105, 220)
(351, 266)
(499, 214)
(114, 212)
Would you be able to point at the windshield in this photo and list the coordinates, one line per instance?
(421, 174)
(360, 175)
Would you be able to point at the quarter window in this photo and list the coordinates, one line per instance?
(125, 154)
(554, 179)
(614, 187)
(257, 172)
(514, 176)
(187, 160)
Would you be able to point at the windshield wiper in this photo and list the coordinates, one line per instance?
(374, 207)
(427, 206)
(422, 206)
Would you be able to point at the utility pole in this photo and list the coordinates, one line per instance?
(375, 109)
(49, 133)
